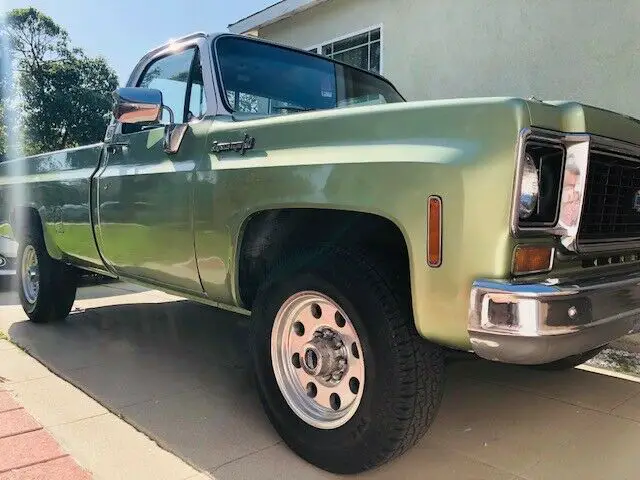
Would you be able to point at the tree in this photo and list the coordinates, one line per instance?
(66, 96)
(3, 130)
(3, 126)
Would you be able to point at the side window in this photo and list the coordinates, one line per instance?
(177, 76)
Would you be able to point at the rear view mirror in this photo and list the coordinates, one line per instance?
(134, 105)
(143, 106)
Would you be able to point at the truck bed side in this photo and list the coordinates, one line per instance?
(57, 187)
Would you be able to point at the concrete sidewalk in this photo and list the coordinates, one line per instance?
(46, 423)
(27, 451)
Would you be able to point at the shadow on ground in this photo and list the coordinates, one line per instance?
(7, 283)
(90, 287)
(178, 371)
(181, 373)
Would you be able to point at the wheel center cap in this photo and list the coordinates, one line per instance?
(312, 360)
(323, 358)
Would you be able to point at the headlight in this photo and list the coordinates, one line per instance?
(540, 184)
(529, 188)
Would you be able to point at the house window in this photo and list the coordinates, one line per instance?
(361, 50)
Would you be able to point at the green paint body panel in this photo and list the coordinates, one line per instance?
(176, 221)
(57, 186)
(384, 161)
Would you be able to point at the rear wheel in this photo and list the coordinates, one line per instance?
(343, 375)
(47, 288)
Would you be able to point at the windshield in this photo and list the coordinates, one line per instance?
(266, 79)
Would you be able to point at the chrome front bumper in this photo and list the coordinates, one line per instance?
(539, 323)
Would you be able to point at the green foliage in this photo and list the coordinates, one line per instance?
(3, 132)
(66, 96)
(3, 127)
(35, 37)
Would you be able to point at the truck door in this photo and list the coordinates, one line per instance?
(144, 195)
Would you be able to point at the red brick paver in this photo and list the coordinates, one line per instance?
(59, 469)
(27, 451)
(7, 402)
(15, 422)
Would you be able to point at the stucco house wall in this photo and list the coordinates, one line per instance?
(586, 50)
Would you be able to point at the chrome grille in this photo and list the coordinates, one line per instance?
(611, 210)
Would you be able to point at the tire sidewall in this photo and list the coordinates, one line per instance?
(35, 311)
(313, 444)
(28, 241)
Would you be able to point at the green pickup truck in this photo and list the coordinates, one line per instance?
(365, 235)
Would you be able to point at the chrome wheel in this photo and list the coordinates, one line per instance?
(30, 274)
(317, 359)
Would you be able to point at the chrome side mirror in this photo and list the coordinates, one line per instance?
(134, 105)
(137, 105)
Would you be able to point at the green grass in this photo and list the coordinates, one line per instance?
(3, 336)
(617, 360)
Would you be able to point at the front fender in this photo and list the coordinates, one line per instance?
(385, 162)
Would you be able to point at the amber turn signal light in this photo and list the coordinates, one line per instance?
(532, 259)
(434, 231)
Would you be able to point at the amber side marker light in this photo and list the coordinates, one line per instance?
(434, 231)
(532, 259)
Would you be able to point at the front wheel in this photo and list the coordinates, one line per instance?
(343, 375)
(47, 288)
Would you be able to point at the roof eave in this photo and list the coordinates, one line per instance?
(272, 14)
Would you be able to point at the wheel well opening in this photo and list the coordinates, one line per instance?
(24, 220)
(270, 235)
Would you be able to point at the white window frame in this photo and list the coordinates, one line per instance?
(318, 46)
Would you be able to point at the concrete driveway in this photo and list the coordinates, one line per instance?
(180, 372)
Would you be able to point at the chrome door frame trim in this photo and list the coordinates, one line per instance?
(203, 42)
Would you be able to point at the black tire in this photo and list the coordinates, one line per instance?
(57, 284)
(404, 373)
(569, 362)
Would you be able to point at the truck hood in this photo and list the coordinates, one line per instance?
(558, 115)
(574, 117)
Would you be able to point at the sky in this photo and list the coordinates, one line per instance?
(122, 31)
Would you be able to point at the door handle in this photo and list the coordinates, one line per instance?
(116, 147)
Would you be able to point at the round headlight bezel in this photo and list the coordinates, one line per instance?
(529, 188)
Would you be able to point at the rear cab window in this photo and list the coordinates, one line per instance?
(266, 79)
